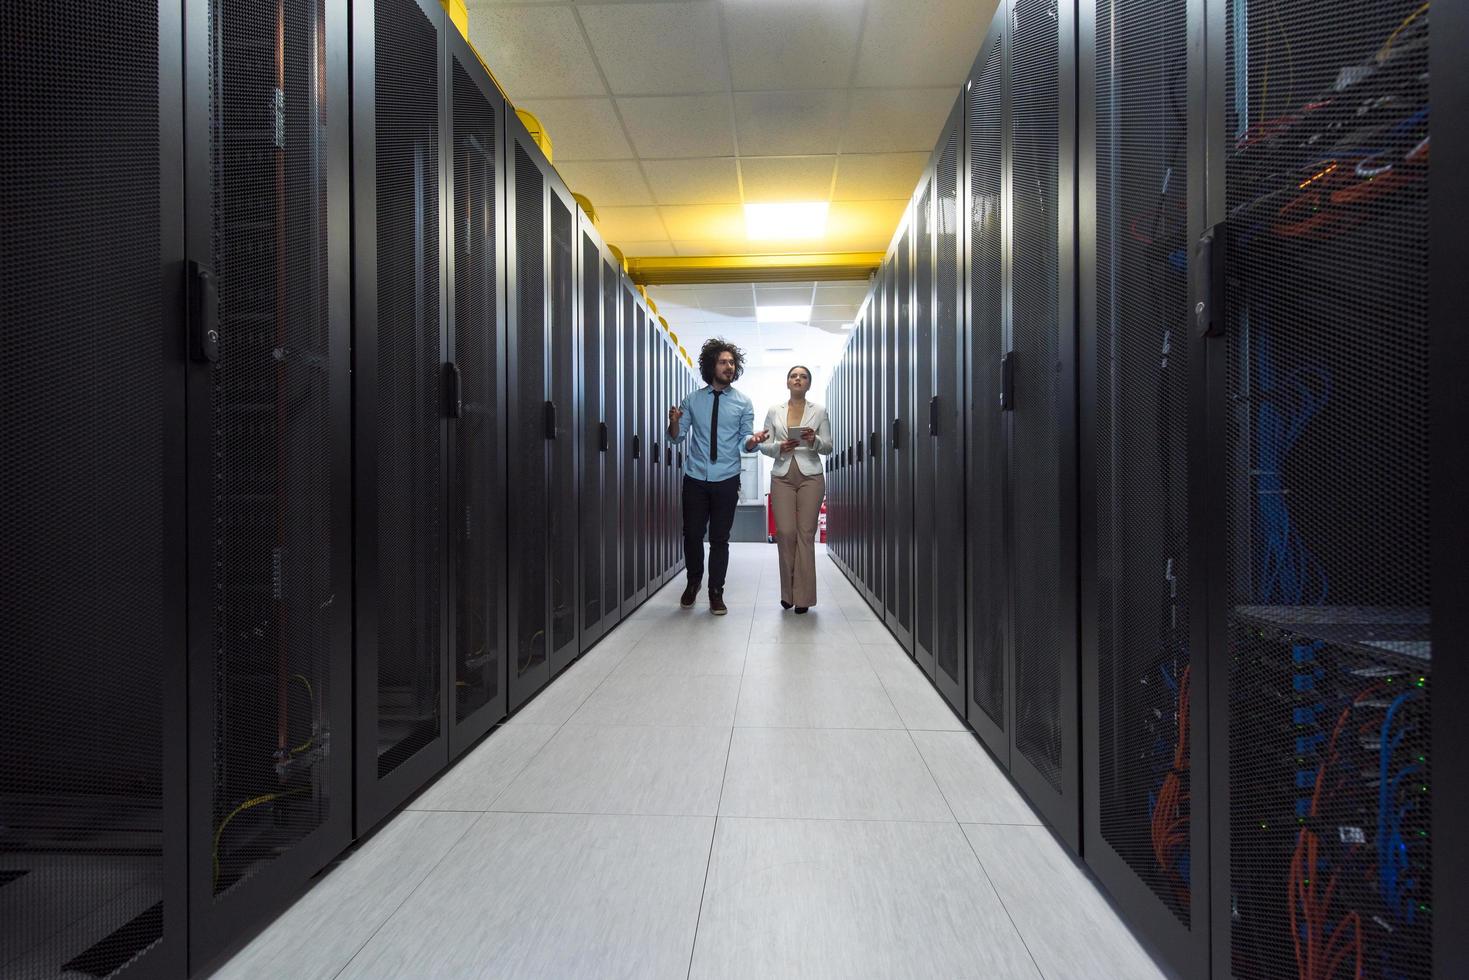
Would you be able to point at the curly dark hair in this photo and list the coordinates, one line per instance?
(709, 358)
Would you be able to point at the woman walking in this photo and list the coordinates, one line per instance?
(799, 435)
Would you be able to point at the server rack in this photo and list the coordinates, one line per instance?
(269, 503)
(611, 505)
(634, 376)
(920, 437)
(653, 351)
(475, 111)
(946, 413)
(542, 324)
(1041, 138)
(598, 376)
(93, 769)
(1146, 822)
(1320, 584)
(877, 454)
(400, 432)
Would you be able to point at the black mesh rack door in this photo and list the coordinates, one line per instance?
(611, 505)
(1146, 819)
(987, 643)
(1324, 607)
(1042, 354)
(399, 388)
(270, 506)
(921, 430)
(561, 498)
(631, 452)
(92, 625)
(945, 416)
(532, 426)
(477, 407)
(1146, 816)
(591, 490)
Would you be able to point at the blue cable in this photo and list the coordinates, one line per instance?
(1392, 849)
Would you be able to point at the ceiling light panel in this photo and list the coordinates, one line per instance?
(804, 221)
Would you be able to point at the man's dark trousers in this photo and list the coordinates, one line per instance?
(710, 505)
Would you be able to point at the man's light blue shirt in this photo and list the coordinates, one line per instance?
(736, 424)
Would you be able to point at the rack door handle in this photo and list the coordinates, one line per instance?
(550, 420)
(1007, 382)
(203, 293)
(602, 437)
(453, 392)
(933, 415)
(897, 427)
(1209, 282)
(637, 447)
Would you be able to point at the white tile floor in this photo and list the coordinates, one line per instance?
(762, 795)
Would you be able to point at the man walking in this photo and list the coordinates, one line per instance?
(718, 422)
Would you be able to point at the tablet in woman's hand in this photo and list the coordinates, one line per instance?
(797, 432)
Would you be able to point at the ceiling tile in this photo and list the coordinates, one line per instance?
(787, 178)
(607, 183)
(783, 295)
(656, 48)
(715, 180)
(581, 129)
(535, 51)
(841, 294)
(921, 42)
(620, 225)
(704, 223)
(844, 313)
(667, 127)
(646, 250)
(895, 120)
(775, 45)
(864, 225)
(726, 297)
(877, 176)
(790, 123)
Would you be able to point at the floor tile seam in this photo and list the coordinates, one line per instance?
(543, 812)
(814, 728)
(411, 892)
(881, 680)
(1001, 899)
(824, 819)
(937, 785)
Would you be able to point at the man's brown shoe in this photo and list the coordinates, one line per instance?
(690, 595)
(716, 602)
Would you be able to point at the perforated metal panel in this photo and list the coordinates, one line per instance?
(528, 461)
(408, 392)
(924, 543)
(561, 489)
(592, 489)
(1141, 450)
(479, 453)
(629, 382)
(984, 490)
(87, 624)
(1327, 516)
(611, 481)
(948, 470)
(1035, 449)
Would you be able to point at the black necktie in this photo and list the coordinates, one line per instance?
(714, 430)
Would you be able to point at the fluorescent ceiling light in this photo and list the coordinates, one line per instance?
(785, 222)
(849, 326)
(782, 314)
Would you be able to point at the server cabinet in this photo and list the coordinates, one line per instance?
(561, 429)
(946, 415)
(401, 442)
(610, 506)
(269, 445)
(1146, 820)
(93, 771)
(899, 472)
(1042, 410)
(634, 376)
(920, 408)
(653, 351)
(593, 372)
(646, 450)
(1319, 600)
(876, 446)
(542, 448)
(476, 400)
(987, 539)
